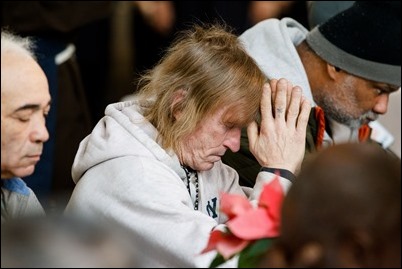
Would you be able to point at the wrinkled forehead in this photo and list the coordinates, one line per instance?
(238, 114)
(20, 69)
(23, 81)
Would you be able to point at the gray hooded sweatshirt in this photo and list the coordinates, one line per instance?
(124, 176)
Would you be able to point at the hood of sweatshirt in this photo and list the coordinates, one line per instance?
(272, 44)
(123, 131)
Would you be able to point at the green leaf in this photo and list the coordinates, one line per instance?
(252, 254)
(217, 261)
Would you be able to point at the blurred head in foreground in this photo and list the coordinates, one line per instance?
(344, 210)
(57, 242)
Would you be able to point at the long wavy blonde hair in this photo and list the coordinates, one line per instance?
(210, 65)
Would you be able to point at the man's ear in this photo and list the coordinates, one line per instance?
(176, 107)
(333, 71)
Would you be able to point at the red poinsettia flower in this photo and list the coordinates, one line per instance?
(247, 223)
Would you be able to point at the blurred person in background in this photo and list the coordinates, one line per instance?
(155, 23)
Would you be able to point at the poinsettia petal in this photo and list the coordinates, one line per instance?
(214, 238)
(271, 198)
(234, 204)
(225, 243)
(230, 246)
(253, 224)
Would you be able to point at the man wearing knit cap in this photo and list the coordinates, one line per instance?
(347, 67)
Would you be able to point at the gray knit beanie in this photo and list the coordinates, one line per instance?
(364, 40)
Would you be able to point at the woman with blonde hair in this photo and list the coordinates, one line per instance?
(153, 165)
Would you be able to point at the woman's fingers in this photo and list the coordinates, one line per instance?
(266, 106)
(280, 140)
(294, 106)
(280, 100)
(302, 120)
